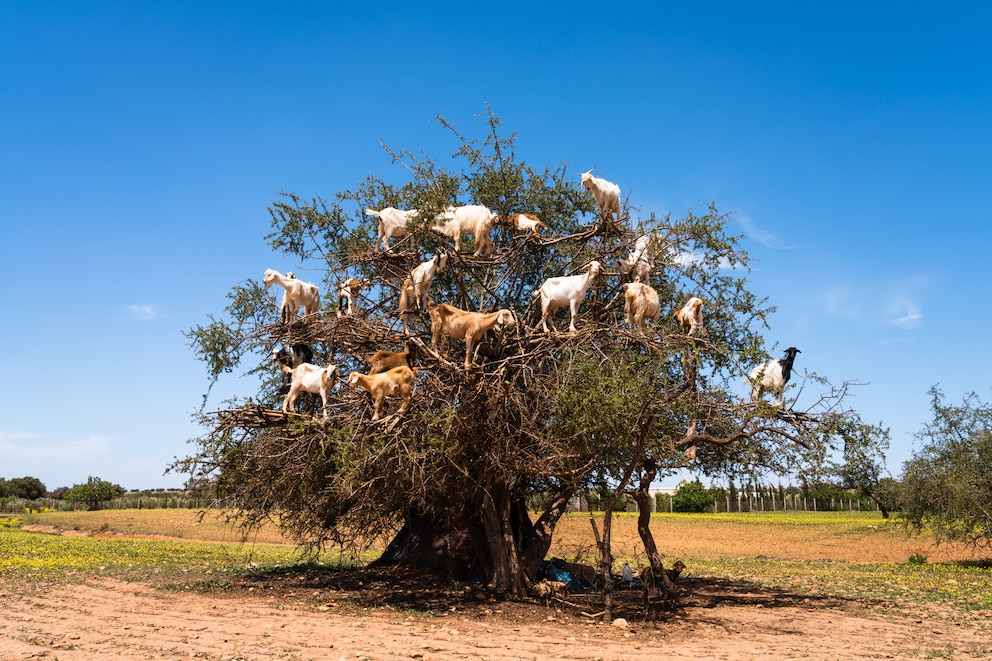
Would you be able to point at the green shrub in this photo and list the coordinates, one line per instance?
(692, 497)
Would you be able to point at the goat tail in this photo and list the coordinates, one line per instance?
(371, 212)
(537, 292)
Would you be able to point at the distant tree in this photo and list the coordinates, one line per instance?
(94, 492)
(827, 495)
(887, 494)
(693, 497)
(29, 488)
(863, 461)
(947, 485)
(59, 493)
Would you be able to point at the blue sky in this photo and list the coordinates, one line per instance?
(141, 143)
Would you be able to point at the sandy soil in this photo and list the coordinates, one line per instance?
(316, 620)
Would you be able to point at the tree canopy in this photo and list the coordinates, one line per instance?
(540, 416)
(947, 485)
(93, 492)
(30, 488)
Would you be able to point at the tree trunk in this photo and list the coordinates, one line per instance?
(658, 577)
(500, 542)
(493, 539)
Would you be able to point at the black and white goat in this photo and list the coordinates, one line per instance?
(291, 356)
(772, 376)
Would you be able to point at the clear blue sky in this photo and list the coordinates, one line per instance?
(141, 143)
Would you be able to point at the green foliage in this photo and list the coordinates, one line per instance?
(828, 497)
(947, 485)
(28, 488)
(93, 492)
(887, 494)
(693, 497)
(863, 465)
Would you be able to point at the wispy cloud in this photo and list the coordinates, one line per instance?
(21, 444)
(61, 461)
(10, 440)
(911, 319)
(762, 236)
(885, 304)
(145, 312)
(687, 258)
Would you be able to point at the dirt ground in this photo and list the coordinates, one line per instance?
(375, 615)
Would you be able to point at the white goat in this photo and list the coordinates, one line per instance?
(473, 218)
(773, 376)
(522, 222)
(690, 317)
(392, 222)
(397, 381)
(641, 302)
(310, 378)
(639, 261)
(423, 276)
(461, 325)
(297, 293)
(565, 290)
(607, 195)
(348, 291)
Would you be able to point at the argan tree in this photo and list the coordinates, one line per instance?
(473, 478)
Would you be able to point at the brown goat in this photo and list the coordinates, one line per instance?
(461, 325)
(397, 381)
(384, 360)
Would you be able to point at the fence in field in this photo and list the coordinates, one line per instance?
(775, 503)
(742, 502)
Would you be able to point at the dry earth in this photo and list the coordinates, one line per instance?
(319, 617)
(378, 615)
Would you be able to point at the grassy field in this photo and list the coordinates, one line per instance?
(850, 555)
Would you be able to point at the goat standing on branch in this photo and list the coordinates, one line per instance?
(348, 291)
(521, 222)
(461, 325)
(397, 381)
(565, 290)
(639, 261)
(298, 293)
(690, 317)
(422, 277)
(773, 376)
(641, 302)
(384, 360)
(291, 356)
(606, 193)
(310, 378)
(392, 222)
(473, 218)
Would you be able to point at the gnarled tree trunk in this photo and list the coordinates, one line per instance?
(658, 585)
(493, 539)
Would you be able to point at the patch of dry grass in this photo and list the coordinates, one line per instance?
(213, 526)
(863, 537)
